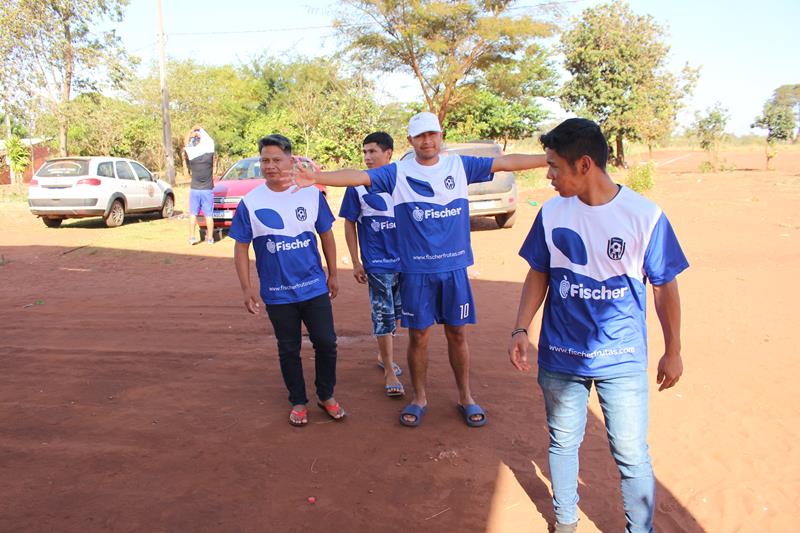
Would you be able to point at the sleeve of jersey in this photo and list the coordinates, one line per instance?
(351, 207)
(478, 169)
(241, 230)
(663, 259)
(383, 178)
(324, 216)
(534, 250)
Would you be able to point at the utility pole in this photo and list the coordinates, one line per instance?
(170, 160)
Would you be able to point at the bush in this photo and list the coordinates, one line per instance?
(641, 177)
(706, 167)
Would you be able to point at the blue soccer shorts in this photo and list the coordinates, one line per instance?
(201, 201)
(438, 298)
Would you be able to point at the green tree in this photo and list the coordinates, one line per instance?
(18, 156)
(709, 129)
(789, 95)
(617, 60)
(778, 119)
(447, 45)
(69, 53)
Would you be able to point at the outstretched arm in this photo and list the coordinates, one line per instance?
(304, 177)
(668, 307)
(512, 162)
(533, 293)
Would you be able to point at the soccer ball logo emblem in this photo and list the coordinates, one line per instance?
(300, 213)
(563, 288)
(418, 214)
(271, 246)
(616, 248)
(450, 183)
(375, 225)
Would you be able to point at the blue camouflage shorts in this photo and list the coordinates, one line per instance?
(384, 298)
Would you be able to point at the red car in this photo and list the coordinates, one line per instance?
(238, 180)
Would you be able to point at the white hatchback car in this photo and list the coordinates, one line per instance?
(111, 187)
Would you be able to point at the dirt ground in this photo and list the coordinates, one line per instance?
(136, 393)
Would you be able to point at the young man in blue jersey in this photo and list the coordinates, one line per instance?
(369, 221)
(591, 251)
(281, 226)
(433, 240)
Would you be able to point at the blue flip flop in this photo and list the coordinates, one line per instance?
(395, 391)
(468, 411)
(397, 370)
(415, 411)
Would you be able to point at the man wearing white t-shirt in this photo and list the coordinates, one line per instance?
(282, 227)
(591, 251)
(433, 240)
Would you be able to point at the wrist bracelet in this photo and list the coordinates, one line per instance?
(518, 330)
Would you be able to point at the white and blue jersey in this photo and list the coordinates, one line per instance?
(431, 209)
(377, 233)
(599, 259)
(282, 226)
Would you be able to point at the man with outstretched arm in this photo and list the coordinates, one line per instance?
(591, 251)
(432, 216)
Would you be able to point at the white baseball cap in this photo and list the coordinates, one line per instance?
(422, 123)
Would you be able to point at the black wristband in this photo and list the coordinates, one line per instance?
(518, 330)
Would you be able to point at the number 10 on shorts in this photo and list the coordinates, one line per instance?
(464, 310)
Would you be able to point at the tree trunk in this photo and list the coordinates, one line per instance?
(11, 176)
(620, 152)
(650, 151)
(66, 89)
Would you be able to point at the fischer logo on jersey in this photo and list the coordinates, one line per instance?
(420, 214)
(280, 246)
(378, 226)
(566, 289)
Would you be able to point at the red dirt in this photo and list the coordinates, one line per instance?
(138, 395)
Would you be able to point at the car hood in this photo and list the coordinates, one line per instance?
(237, 187)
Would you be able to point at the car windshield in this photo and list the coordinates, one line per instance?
(246, 169)
(64, 167)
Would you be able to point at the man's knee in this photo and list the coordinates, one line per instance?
(456, 334)
(418, 337)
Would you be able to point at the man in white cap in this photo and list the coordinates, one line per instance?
(432, 216)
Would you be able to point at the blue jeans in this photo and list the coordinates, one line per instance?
(384, 299)
(623, 400)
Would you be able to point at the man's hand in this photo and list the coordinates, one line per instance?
(302, 177)
(333, 286)
(359, 273)
(251, 300)
(518, 351)
(670, 369)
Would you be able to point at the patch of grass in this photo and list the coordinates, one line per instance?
(14, 194)
(707, 167)
(167, 260)
(531, 179)
(641, 177)
(3, 260)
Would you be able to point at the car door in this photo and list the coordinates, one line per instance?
(151, 193)
(129, 185)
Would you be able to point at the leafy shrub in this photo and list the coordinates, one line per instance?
(641, 177)
(706, 167)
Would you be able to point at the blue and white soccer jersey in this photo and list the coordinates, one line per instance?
(377, 235)
(599, 259)
(282, 226)
(433, 238)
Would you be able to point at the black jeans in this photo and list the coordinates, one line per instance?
(317, 315)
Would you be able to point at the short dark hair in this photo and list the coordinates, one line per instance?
(276, 139)
(381, 138)
(575, 138)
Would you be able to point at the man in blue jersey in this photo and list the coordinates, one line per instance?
(369, 221)
(281, 226)
(433, 241)
(591, 251)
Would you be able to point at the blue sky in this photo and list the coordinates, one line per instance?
(745, 49)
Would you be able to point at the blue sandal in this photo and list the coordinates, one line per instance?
(397, 370)
(395, 391)
(468, 411)
(414, 410)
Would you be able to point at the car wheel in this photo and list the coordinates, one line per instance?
(52, 222)
(116, 215)
(506, 220)
(168, 209)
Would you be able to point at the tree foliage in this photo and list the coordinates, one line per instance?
(709, 129)
(447, 45)
(618, 64)
(779, 121)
